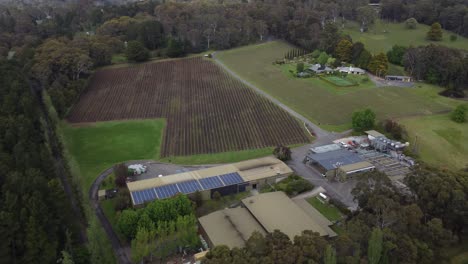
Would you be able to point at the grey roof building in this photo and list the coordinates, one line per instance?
(333, 159)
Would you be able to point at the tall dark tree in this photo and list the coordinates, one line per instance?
(136, 52)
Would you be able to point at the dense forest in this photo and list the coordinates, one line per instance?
(56, 49)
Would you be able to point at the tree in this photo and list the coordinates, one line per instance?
(435, 33)
(121, 173)
(216, 196)
(330, 255)
(323, 58)
(136, 51)
(364, 59)
(374, 253)
(363, 120)
(395, 55)
(282, 153)
(127, 223)
(175, 48)
(459, 114)
(379, 64)
(411, 23)
(329, 37)
(344, 50)
(366, 15)
(300, 67)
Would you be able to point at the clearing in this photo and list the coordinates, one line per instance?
(207, 110)
(382, 36)
(96, 147)
(328, 106)
(439, 140)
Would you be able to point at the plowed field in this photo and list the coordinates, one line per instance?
(207, 110)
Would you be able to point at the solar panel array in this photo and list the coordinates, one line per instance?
(186, 187)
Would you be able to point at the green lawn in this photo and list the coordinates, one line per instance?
(329, 211)
(92, 148)
(439, 140)
(338, 81)
(329, 106)
(217, 158)
(382, 36)
(96, 147)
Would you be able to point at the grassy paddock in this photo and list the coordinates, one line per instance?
(325, 104)
(439, 140)
(329, 211)
(95, 147)
(382, 36)
(338, 81)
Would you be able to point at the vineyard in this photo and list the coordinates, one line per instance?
(207, 111)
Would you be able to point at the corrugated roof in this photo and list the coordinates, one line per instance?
(247, 171)
(357, 166)
(230, 227)
(325, 148)
(374, 133)
(316, 216)
(276, 210)
(334, 159)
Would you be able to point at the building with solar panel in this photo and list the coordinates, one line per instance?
(225, 179)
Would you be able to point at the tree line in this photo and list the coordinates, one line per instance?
(451, 14)
(161, 228)
(37, 224)
(390, 226)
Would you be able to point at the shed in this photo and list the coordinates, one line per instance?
(101, 195)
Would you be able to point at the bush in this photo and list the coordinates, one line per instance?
(136, 52)
(393, 128)
(282, 153)
(122, 201)
(363, 120)
(216, 196)
(365, 79)
(459, 114)
(435, 33)
(121, 173)
(411, 23)
(294, 185)
(300, 67)
(453, 37)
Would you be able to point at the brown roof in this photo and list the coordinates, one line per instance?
(276, 210)
(230, 227)
(350, 168)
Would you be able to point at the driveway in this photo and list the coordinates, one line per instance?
(336, 190)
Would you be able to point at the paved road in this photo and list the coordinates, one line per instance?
(319, 132)
(339, 191)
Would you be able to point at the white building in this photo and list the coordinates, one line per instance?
(351, 70)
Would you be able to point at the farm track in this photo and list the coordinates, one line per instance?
(207, 110)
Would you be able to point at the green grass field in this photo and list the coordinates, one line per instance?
(328, 210)
(327, 105)
(440, 141)
(338, 81)
(96, 147)
(92, 148)
(382, 36)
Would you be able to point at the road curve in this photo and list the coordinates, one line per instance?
(319, 132)
(119, 250)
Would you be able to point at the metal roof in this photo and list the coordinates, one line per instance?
(275, 210)
(230, 227)
(325, 148)
(206, 179)
(334, 159)
(374, 133)
(357, 167)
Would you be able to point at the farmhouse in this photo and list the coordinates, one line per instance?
(263, 213)
(351, 70)
(225, 179)
(398, 78)
(317, 68)
(338, 163)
